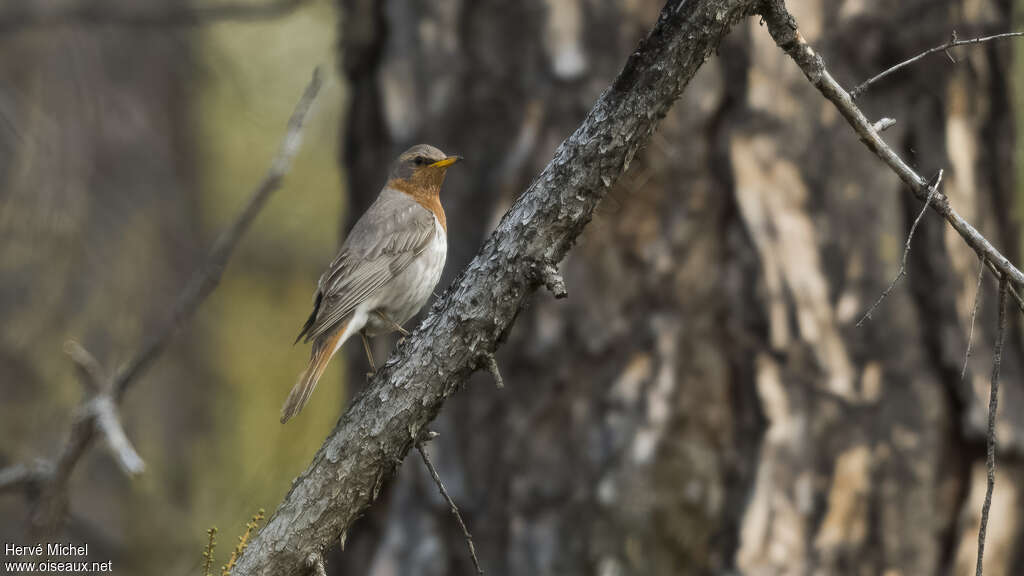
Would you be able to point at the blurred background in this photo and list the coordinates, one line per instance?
(703, 403)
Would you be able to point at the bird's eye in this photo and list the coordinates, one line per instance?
(420, 160)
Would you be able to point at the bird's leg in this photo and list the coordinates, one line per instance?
(387, 319)
(369, 354)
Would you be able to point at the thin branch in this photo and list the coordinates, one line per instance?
(51, 507)
(974, 316)
(25, 479)
(932, 191)
(884, 124)
(552, 280)
(492, 366)
(951, 43)
(208, 277)
(98, 414)
(783, 29)
(101, 408)
(105, 414)
(36, 14)
(90, 372)
(993, 405)
(452, 506)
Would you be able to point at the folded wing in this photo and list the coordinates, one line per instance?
(392, 233)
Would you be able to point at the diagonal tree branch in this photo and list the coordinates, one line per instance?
(476, 313)
(26, 14)
(783, 29)
(98, 413)
(208, 277)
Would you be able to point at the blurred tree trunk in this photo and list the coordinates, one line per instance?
(703, 401)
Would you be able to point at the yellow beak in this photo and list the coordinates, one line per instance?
(446, 162)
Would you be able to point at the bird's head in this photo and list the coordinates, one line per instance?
(422, 166)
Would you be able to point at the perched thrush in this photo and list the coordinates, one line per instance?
(386, 269)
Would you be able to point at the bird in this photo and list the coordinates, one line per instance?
(386, 269)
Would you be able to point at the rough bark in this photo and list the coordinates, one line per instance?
(474, 316)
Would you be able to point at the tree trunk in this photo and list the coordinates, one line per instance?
(703, 401)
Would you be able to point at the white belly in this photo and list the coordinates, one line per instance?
(402, 297)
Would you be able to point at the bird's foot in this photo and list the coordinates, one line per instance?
(398, 327)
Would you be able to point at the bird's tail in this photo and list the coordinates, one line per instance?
(323, 350)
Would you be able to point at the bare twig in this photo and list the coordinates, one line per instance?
(27, 15)
(105, 414)
(209, 275)
(974, 316)
(884, 124)
(90, 372)
(552, 280)
(993, 405)
(98, 414)
(783, 29)
(951, 43)
(101, 409)
(906, 251)
(492, 366)
(26, 479)
(451, 505)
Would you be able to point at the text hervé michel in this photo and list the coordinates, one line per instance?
(52, 557)
(54, 549)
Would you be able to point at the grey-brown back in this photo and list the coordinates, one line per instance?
(383, 242)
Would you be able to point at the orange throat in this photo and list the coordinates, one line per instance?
(426, 193)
